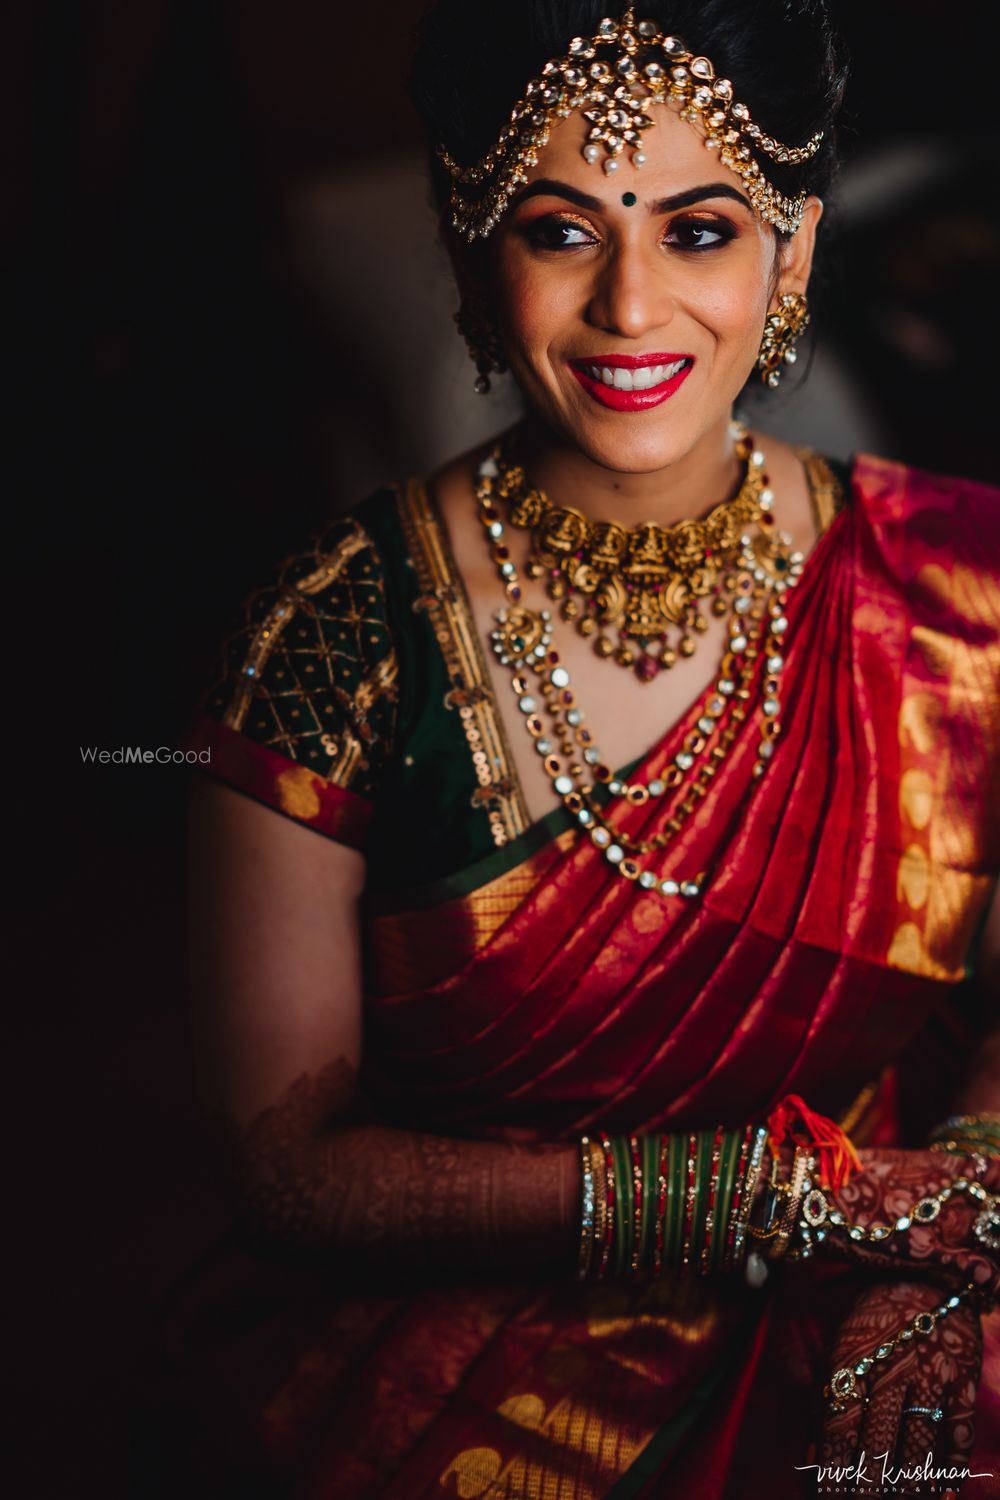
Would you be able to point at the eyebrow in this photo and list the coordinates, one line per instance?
(548, 186)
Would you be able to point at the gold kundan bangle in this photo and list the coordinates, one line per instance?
(748, 1195)
(600, 1200)
(586, 1209)
(802, 1164)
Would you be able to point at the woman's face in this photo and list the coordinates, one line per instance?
(664, 297)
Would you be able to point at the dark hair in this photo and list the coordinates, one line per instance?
(784, 57)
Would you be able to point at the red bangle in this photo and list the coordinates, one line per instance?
(636, 1202)
(689, 1196)
(661, 1205)
(713, 1189)
(609, 1228)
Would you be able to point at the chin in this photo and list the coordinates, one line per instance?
(640, 444)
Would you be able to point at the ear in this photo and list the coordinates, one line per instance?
(468, 262)
(797, 253)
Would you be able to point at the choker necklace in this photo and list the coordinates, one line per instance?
(763, 570)
(642, 582)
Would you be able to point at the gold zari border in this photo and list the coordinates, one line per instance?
(825, 489)
(443, 595)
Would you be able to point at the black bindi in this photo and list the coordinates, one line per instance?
(629, 200)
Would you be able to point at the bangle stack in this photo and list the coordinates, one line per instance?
(968, 1135)
(652, 1204)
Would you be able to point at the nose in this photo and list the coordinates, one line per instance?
(631, 295)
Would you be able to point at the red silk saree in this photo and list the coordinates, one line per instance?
(553, 998)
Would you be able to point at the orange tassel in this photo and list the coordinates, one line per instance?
(835, 1155)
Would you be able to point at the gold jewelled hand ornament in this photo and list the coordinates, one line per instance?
(845, 1384)
(800, 1214)
(614, 78)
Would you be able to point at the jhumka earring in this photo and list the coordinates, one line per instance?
(782, 329)
(479, 332)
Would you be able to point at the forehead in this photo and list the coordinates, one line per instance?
(675, 151)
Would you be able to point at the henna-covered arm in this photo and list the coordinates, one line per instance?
(276, 976)
(401, 1198)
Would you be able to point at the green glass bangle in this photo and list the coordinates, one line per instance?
(732, 1141)
(983, 1124)
(961, 1135)
(674, 1228)
(622, 1258)
(974, 1139)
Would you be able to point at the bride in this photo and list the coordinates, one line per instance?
(591, 831)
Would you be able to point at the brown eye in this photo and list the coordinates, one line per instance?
(557, 234)
(696, 234)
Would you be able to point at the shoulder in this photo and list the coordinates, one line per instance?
(319, 619)
(302, 706)
(939, 510)
(934, 537)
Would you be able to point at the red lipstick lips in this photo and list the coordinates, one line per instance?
(640, 399)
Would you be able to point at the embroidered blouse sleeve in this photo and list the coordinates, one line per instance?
(303, 713)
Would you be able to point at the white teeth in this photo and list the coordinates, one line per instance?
(640, 379)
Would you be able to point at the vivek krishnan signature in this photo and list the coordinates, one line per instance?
(888, 1476)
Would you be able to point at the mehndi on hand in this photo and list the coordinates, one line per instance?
(920, 1212)
(912, 1402)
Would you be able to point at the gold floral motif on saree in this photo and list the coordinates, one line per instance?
(939, 890)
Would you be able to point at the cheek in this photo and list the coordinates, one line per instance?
(732, 308)
(534, 302)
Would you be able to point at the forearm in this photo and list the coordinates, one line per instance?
(402, 1198)
(315, 1172)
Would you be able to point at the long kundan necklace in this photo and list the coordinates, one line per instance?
(746, 573)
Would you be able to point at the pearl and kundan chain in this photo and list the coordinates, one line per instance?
(756, 579)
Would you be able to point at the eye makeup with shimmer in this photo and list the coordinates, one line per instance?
(691, 233)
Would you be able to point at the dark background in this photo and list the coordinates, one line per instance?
(224, 304)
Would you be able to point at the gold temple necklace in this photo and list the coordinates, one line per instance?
(641, 583)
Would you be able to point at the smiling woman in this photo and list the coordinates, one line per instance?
(550, 1040)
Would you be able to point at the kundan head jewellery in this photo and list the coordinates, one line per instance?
(614, 78)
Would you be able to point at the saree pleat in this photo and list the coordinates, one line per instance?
(640, 1012)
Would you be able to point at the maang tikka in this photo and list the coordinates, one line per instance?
(614, 77)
